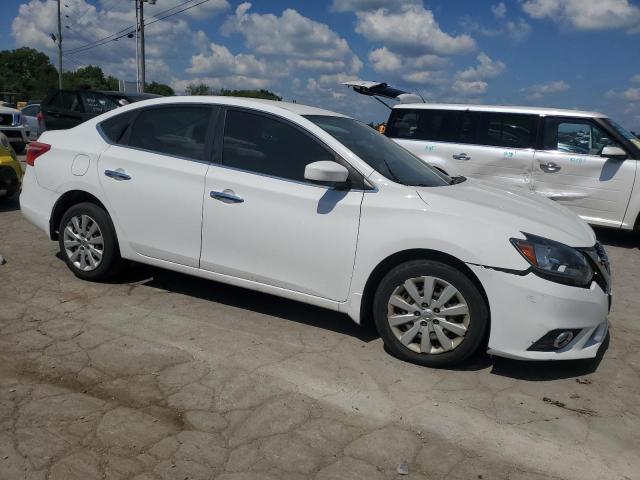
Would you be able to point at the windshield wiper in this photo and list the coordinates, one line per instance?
(458, 179)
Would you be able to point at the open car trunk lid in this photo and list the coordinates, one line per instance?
(381, 89)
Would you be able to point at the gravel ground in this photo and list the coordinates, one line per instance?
(164, 376)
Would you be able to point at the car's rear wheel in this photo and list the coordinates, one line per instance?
(88, 243)
(430, 313)
(8, 183)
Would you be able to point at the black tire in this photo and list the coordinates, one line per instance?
(111, 263)
(477, 310)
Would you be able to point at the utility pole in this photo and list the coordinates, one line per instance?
(141, 72)
(59, 49)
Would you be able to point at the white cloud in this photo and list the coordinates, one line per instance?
(469, 88)
(413, 30)
(366, 5)
(541, 90)
(37, 19)
(636, 78)
(202, 11)
(485, 69)
(220, 62)
(586, 15)
(291, 35)
(518, 30)
(499, 10)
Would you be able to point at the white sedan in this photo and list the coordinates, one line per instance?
(315, 206)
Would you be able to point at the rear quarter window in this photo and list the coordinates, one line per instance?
(115, 127)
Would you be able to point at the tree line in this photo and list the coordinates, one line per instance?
(30, 74)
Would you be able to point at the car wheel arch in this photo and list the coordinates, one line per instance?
(393, 260)
(66, 201)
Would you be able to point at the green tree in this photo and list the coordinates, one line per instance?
(27, 72)
(198, 89)
(262, 93)
(159, 89)
(90, 76)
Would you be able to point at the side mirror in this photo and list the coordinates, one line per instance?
(326, 172)
(613, 152)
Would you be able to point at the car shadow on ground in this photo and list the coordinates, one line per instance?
(9, 205)
(247, 299)
(618, 238)
(138, 274)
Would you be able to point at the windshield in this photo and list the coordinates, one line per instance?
(624, 132)
(383, 155)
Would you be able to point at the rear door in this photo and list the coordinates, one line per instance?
(569, 169)
(496, 147)
(153, 177)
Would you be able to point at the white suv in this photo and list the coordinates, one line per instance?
(583, 160)
(315, 206)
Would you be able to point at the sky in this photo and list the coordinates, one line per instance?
(560, 53)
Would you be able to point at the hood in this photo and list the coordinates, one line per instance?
(513, 211)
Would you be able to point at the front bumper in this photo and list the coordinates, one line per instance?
(526, 307)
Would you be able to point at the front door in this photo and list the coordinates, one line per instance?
(570, 170)
(264, 222)
(154, 181)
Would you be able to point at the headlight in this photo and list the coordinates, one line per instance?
(555, 261)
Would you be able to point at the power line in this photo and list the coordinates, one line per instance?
(132, 28)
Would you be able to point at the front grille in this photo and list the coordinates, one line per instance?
(6, 119)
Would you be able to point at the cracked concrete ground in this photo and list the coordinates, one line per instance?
(164, 376)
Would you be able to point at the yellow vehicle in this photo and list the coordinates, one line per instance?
(10, 170)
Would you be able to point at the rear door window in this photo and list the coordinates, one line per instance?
(507, 130)
(423, 124)
(67, 101)
(115, 127)
(97, 103)
(180, 131)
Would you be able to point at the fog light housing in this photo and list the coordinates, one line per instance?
(555, 340)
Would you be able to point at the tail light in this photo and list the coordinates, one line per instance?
(34, 150)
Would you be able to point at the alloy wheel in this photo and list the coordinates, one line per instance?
(83, 242)
(428, 315)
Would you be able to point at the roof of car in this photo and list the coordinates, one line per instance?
(501, 108)
(296, 108)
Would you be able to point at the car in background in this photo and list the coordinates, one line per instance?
(125, 98)
(12, 126)
(318, 207)
(583, 160)
(10, 170)
(31, 119)
(63, 109)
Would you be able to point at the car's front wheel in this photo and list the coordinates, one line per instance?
(430, 313)
(88, 242)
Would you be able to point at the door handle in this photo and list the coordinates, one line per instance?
(550, 167)
(226, 196)
(462, 156)
(118, 174)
